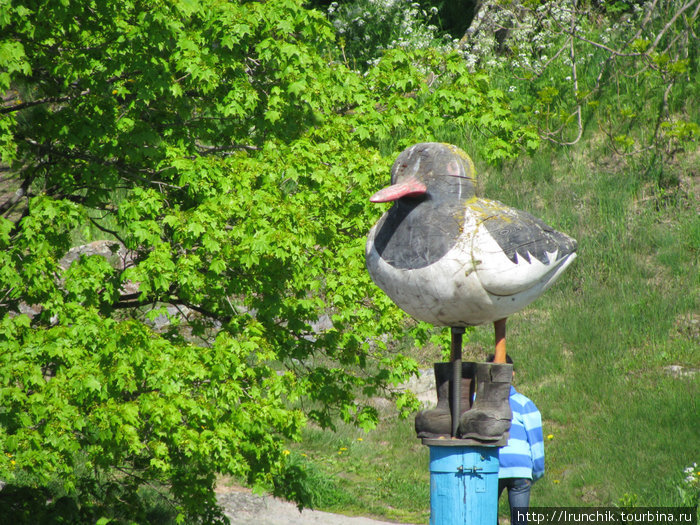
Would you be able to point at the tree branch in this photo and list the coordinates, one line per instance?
(106, 230)
(647, 17)
(670, 23)
(602, 46)
(209, 150)
(129, 172)
(56, 100)
(46, 100)
(574, 77)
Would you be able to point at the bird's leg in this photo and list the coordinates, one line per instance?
(456, 358)
(500, 329)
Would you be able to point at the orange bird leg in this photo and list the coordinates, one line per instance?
(500, 329)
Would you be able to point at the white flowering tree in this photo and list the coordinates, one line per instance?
(367, 28)
(566, 58)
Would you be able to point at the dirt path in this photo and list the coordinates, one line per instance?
(244, 508)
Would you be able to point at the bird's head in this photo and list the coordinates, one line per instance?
(430, 170)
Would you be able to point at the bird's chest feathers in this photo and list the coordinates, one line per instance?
(413, 234)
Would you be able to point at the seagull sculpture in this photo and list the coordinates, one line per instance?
(450, 258)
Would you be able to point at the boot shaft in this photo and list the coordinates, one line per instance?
(493, 382)
(437, 422)
(490, 416)
(494, 372)
(443, 382)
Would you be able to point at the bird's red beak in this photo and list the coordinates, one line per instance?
(408, 188)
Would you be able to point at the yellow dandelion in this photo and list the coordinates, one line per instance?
(114, 92)
(12, 461)
(286, 452)
(303, 455)
(343, 449)
(556, 481)
(359, 439)
(550, 436)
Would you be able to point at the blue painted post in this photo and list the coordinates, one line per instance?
(463, 484)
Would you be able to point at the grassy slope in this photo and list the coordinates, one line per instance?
(591, 352)
(594, 357)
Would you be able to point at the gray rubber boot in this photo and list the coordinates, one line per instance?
(437, 422)
(489, 418)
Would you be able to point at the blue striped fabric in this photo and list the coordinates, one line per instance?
(523, 456)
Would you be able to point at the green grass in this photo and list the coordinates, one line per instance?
(592, 352)
(381, 473)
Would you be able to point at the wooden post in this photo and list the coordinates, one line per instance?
(456, 358)
(463, 485)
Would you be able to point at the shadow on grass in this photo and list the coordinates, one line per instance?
(24, 505)
(21, 505)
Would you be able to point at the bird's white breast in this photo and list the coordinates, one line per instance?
(473, 283)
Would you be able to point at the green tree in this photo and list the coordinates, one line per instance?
(224, 160)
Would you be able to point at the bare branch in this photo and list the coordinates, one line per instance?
(129, 172)
(140, 479)
(556, 55)
(46, 100)
(106, 230)
(574, 77)
(623, 153)
(209, 150)
(57, 100)
(670, 23)
(644, 22)
(602, 46)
